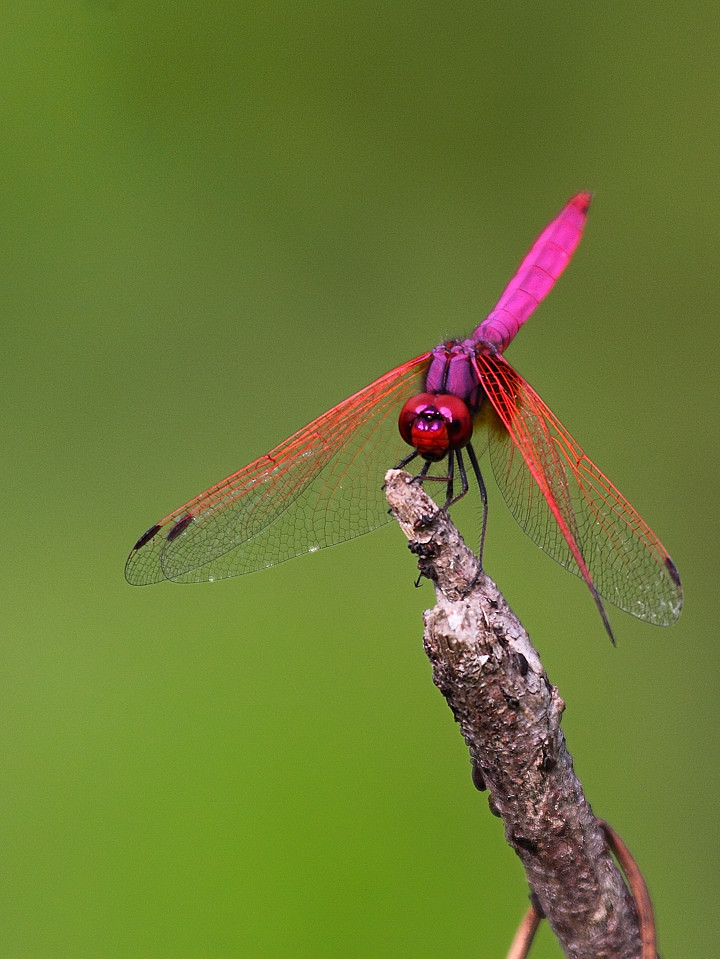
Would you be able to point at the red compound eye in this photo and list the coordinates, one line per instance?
(417, 406)
(458, 418)
(435, 423)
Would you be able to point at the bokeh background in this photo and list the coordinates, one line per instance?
(217, 220)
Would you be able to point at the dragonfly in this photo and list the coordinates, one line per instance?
(445, 408)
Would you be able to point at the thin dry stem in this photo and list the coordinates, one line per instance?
(520, 947)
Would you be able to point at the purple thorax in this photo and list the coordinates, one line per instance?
(452, 371)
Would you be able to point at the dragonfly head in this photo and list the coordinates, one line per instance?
(434, 423)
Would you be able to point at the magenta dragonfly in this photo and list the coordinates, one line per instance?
(323, 485)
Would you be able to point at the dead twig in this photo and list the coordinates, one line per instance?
(509, 715)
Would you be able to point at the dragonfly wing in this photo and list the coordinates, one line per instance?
(569, 508)
(321, 486)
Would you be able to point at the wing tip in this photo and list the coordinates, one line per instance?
(137, 569)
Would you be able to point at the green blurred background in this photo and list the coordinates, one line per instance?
(219, 219)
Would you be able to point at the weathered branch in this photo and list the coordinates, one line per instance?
(509, 714)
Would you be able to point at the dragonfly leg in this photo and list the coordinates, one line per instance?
(401, 465)
(450, 499)
(423, 475)
(483, 498)
(419, 477)
(407, 459)
(454, 457)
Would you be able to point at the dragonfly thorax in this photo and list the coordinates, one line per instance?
(435, 423)
(453, 370)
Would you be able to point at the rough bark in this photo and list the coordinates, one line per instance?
(509, 714)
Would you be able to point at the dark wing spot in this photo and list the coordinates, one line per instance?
(672, 569)
(181, 525)
(146, 537)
